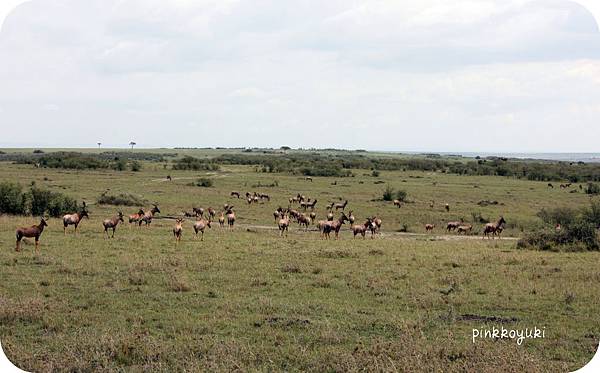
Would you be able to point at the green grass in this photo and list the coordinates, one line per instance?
(250, 300)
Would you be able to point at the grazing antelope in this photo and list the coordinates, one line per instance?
(429, 227)
(341, 205)
(278, 214)
(211, 213)
(112, 224)
(360, 229)
(550, 185)
(230, 218)
(304, 220)
(397, 203)
(178, 230)
(464, 228)
(74, 219)
(334, 226)
(148, 216)
(264, 196)
(134, 218)
(199, 226)
(33, 231)
(283, 225)
(235, 194)
(453, 225)
(188, 214)
(493, 228)
(310, 204)
(308, 178)
(222, 220)
(198, 211)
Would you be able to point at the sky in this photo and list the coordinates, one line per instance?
(427, 75)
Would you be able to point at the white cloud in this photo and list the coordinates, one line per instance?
(432, 74)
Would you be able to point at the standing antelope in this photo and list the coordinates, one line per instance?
(235, 194)
(397, 203)
(447, 207)
(360, 229)
(134, 218)
(230, 218)
(304, 220)
(112, 224)
(334, 226)
(493, 228)
(351, 217)
(222, 220)
(313, 216)
(74, 219)
(199, 211)
(148, 216)
(310, 205)
(464, 228)
(178, 230)
(429, 227)
(453, 225)
(283, 225)
(199, 226)
(33, 231)
(341, 205)
(211, 213)
(377, 223)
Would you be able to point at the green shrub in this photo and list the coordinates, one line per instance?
(592, 188)
(136, 166)
(121, 199)
(54, 204)
(401, 195)
(204, 182)
(195, 164)
(12, 199)
(375, 173)
(388, 193)
(558, 215)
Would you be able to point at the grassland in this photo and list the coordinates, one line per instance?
(250, 300)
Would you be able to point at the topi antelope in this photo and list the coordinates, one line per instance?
(178, 230)
(493, 228)
(112, 224)
(235, 194)
(134, 218)
(447, 207)
(397, 203)
(200, 225)
(334, 226)
(283, 225)
(198, 211)
(351, 217)
(360, 229)
(148, 216)
(222, 220)
(464, 229)
(330, 216)
(341, 205)
(33, 231)
(453, 225)
(429, 227)
(304, 220)
(230, 218)
(211, 213)
(313, 216)
(74, 219)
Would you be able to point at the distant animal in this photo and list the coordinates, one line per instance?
(372, 226)
(550, 185)
(112, 223)
(235, 194)
(264, 196)
(169, 178)
(278, 214)
(447, 207)
(464, 228)
(188, 214)
(148, 216)
(360, 229)
(211, 213)
(200, 225)
(377, 223)
(74, 219)
(429, 227)
(330, 206)
(313, 216)
(222, 220)
(227, 207)
(33, 231)
(397, 203)
(341, 205)
(493, 228)
(304, 220)
(432, 204)
(230, 218)
(134, 218)
(198, 211)
(308, 178)
(178, 230)
(351, 218)
(334, 226)
(453, 225)
(330, 216)
(283, 225)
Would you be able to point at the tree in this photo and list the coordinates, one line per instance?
(99, 144)
(132, 144)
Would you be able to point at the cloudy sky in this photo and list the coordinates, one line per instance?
(426, 75)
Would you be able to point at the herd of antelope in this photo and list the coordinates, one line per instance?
(304, 216)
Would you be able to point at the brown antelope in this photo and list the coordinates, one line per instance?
(308, 178)
(134, 218)
(310, 204)
(341, 205)
(304, 220)
(330, 216)
(235, 194)
(283, 225)
(313, 216)
(200, 225)
(493, 228)
(211, 213)
(112, 224)
(230, 218)
(198, 211)
(464, 228)
(33, 231)
(227, 207)
(222, 220)
(278, 214)
(429, 227)
(453, 225)
(148, 216)
(447, 207)
(377, 222)
(372, 226)
(397, 203)
(334, 226)
(178, 230)
(330, 206)
(74, 219)
(360, 229)
(264, 196)
(169, 178)
(351, 218)
(188, 214)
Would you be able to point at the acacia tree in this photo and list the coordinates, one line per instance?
(132, 144)
(99, 144)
